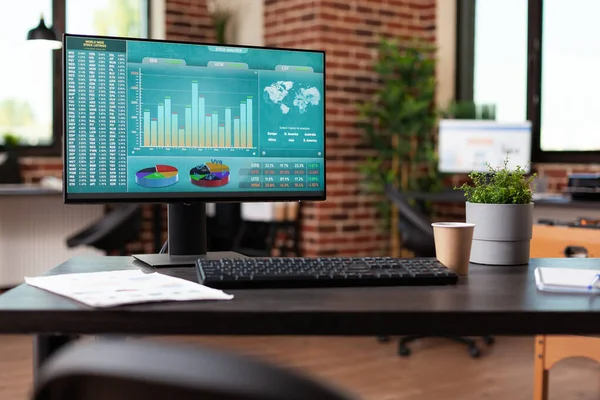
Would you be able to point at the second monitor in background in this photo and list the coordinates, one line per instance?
(469, 145)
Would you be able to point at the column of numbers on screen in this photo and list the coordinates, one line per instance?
(96, 134)
(71, 161)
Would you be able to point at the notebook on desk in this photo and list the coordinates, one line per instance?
(567, 280)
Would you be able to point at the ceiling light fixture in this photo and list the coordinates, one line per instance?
(44, 36)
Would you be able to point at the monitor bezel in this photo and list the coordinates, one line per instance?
(234, 197)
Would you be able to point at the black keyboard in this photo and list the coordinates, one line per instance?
(294, 272)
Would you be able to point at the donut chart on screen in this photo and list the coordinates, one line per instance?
(157, 176)
(210, 175)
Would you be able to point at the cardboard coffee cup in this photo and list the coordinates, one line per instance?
(453, 245)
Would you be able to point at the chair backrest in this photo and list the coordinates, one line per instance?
(126, 370)
(112, 231)
(414, 226)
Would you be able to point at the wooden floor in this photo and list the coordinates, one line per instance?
(437, 369)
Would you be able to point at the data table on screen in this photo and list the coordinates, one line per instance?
(96, 108)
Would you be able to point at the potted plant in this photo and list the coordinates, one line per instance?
(469, 110)
(221, 16)
(399, 126)
(499, 203)
(10, 170)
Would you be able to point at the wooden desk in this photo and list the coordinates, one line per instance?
(491, 300)
(27, 190)
(504, 299)
(551, 241)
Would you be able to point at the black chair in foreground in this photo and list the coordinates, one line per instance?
(131, 370)
(416, 235)
(113, 231)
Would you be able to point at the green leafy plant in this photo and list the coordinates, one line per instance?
(399, 122)
(499, 186)
(469, 110)
(221, 15)
(10, 140)
(487, 112)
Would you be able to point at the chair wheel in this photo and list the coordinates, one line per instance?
(383, 339)
(489, 340)
(403, 351)
(474, 352)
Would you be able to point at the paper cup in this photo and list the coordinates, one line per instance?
(453, 245)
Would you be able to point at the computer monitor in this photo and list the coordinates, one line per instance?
(187, 123)
(470, 145)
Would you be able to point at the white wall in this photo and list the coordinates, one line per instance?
(446, 43)
(33, 233)
(158, 19)
(247, 23)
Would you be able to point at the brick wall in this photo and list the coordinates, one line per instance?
(348, 30)
(188, 20)
(33, 169)
(556, 174)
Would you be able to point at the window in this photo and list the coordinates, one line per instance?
(536, 60)
(25, 75)
(126, 18)
(30, 77)
(500, 57)
(570, 81)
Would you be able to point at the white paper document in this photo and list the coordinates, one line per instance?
(114, 288)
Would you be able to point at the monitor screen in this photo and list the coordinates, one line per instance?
(168, 121)
(470, 145)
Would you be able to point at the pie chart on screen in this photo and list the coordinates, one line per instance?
(210, 175)
(157, 176)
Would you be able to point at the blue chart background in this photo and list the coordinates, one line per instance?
(219, 87)
(272, 119)
(184, 164)
(234, 85)
(198, 55)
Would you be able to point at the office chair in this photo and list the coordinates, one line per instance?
(416, 235)
(131, 370)
(10, 168)
(113, 231)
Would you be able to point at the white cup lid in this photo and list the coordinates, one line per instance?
(452, 224)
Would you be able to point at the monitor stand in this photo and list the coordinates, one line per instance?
(187, 238)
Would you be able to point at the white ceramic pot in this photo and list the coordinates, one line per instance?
(502, 233)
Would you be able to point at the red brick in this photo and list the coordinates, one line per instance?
(326, 229)
(364, 56)
(590, 170)
(398, 3)
(554, 173)
(329, 16)
(422, 6)
(195, 14)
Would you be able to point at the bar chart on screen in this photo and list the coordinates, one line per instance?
(193, 111)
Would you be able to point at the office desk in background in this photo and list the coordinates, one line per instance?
(551, 207)
(34, 224)
(491, 300)
(547, 240)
